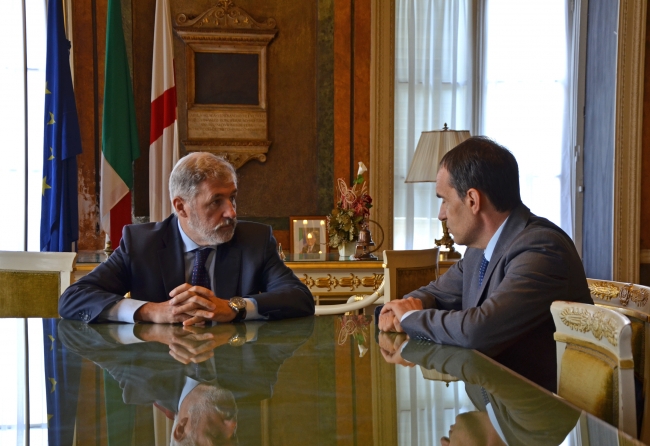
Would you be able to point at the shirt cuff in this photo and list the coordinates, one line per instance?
(251, 330)
(123, 333)
(405, 315)
(251, 309)
(122, 311)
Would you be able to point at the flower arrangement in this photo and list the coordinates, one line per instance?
(351, 211)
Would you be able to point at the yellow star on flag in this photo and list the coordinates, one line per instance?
(49, 417)
(53, 381)
(51, 121)
(46, 90)
(45, 185)
(52, 155)
(51, 339)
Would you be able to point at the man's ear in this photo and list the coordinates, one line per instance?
(179, 431)
(473, 200)
(179, 206)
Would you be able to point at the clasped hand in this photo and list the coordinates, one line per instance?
(187, 344)
(392, 313)
(189, 304)
(390, 345)
(200, 304)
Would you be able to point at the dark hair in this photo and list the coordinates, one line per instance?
(482, 164)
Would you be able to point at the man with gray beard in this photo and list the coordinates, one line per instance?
(207, 415)
(200, 264)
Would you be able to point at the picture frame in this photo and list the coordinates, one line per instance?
(304, 229)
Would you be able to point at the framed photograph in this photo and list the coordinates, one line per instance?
(308, 235)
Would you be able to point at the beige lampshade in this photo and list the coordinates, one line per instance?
(431, 148)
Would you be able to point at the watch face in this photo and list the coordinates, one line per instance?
(237, 340)
(237, 303)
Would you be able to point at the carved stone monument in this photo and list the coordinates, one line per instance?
(226, 54)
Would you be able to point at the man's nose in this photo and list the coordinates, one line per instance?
(231, 210)
(442, 213)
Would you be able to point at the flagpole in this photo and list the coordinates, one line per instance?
(26, 117)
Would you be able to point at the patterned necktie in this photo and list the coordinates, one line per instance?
(481, 271)
(199, 273)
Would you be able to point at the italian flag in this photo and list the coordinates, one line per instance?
(163, 150)
(119, 131)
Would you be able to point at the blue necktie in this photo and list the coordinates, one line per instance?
(200, 275)
(481, 271)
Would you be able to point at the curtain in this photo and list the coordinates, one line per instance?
(432, 87)
(500, 68)
(526, 99)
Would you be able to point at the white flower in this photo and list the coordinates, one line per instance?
(362, 350)
(362, 169)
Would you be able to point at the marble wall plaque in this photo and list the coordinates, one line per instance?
(226, 124)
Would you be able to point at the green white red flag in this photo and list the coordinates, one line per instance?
(119, 131)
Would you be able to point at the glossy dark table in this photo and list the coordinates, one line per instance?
(320, 380)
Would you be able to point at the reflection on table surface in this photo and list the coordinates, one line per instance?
(317, 380)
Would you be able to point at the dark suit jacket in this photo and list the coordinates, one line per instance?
(150, 263)
(508, 318)
(526, 415)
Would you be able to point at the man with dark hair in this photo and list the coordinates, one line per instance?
(200, 264)
(496, 299)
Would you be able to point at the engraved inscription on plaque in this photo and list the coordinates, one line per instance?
(227, 124)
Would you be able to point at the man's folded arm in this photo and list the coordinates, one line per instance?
(518, 305)
(87, 298)
(285, 295)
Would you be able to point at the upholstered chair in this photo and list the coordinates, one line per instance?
(594, 360)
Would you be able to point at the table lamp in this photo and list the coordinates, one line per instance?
(432, 146)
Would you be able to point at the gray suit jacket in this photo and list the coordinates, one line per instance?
(508, 317)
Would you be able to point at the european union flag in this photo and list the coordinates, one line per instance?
(59, 211)
(62, 374)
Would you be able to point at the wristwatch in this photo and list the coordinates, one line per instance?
(238, 305)
(237, 340)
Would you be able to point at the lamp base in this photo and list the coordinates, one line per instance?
(448, 242)
(364, 256)
(450, 255)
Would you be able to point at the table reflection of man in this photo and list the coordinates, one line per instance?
(510, 410)
(209, 380)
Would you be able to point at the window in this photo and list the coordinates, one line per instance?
(22, 68)
(510, 79)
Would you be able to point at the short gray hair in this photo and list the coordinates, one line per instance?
(193, 169)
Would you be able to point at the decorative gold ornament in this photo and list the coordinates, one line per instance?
(608, 291)
(584, 321)
(352, 281)
(629, 293)
(604, 290)
(224, 15)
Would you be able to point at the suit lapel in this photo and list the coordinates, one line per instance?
(227, 268)
(172, 258)
(516, 223)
